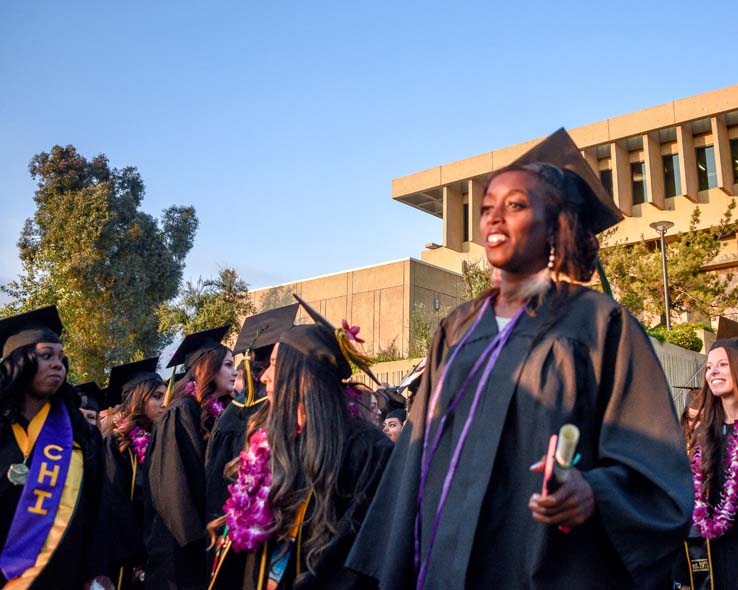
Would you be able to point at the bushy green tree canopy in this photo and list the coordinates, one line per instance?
(634, 270)
(208, 304)
(107, 265)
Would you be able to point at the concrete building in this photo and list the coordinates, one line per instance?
(659, 164)
(381, 299)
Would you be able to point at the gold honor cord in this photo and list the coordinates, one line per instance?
(18, 472)
(170, 387)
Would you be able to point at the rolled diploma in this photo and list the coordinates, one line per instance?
(565, 450)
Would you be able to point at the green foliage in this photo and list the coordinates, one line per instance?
(423, 324)
(635, 271)
(107, 265)
(684, 335)
(389, 353)
(207, 304)
(475, 277)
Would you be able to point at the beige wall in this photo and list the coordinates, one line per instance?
(377, 298)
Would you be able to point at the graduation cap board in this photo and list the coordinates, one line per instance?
(124, 377)
(264, 329)
(195, 346)
(583, 191)
(726, 329)
(92, 396)
(349, 351)
(192, 349)
(40, 325)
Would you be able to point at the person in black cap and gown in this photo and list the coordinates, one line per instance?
(137, 393)
(711, 557)
(504, 373)
(49, 461)
(91, 400)
(258, 335)
(324, 468)
(174, 483)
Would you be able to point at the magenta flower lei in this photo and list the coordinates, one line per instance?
(138, 442)
(248, 516)
(712, 527)
(213, 406)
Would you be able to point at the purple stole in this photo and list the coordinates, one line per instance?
(36, 510)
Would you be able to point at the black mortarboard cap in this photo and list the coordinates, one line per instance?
(360, 360)
(726, 329)
(195, 346)
(264, 329)
(39, 325)
(125, 377)
(725, 342)
(93, 398)
(581, 186)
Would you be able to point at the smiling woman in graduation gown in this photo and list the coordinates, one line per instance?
(174, 483)
(572, 356)
(47, 547)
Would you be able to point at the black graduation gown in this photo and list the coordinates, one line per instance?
(70, 565)
(120, 518)
(724, 550)
(174, 501)
(583, 360)
(225, 444)
(363, 463)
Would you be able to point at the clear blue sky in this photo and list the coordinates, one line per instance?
(284, 123)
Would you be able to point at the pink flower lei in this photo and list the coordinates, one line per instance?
(712, 527)
(248, 515)
(138, 442)
(213, 406)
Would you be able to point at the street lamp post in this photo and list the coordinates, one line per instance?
(661, 228)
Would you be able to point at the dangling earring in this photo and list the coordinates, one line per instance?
(551, 257)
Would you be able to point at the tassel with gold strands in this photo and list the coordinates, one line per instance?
(170, 387)
(603, 278)
(345, 337)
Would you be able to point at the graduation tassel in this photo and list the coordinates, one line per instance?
(170, 387)
(249, 381)
(603, 278)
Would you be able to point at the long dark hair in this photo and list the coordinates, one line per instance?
(132, 412)
(203, 373)
(306, 460)
(17, 371)
(710, 430)
(575, 244)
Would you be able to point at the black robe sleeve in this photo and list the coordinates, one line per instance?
(175, 472)
(120, 518)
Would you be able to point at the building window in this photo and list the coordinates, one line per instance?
(638, 180)
(466, 222)
(734, 158)
(672, 182)
(606, 180)
(706, 173)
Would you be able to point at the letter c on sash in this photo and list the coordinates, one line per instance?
(49, 455)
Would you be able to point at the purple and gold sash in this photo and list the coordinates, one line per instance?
(39, 502)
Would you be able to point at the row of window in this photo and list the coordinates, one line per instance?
(706, 173)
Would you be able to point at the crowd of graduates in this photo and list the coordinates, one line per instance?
(282, 472)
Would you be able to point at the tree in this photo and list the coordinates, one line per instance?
(107, 265)
(475, 277)
(635, 271)
(207, 304)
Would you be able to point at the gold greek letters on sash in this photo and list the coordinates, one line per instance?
(64, 514)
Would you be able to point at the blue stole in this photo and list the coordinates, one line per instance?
(36, 510)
